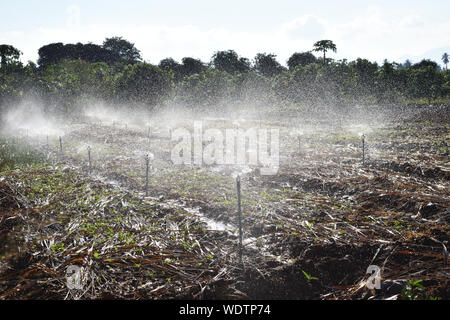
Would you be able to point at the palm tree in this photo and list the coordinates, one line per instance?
(445, 59)
(324, 45)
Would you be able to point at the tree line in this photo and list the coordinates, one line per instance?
(115, 72)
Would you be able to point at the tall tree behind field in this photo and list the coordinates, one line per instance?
(425, 63)
(8, 54)
(125, 50)
(229, 61)
(55, 52)
(143, 84)
(445, 60)
(363, 80)
(14, 78)
(325, 46)
(301, 58)
(426, 82)
(69, 81)
(267, 65)
(191, 66)
(170, 64)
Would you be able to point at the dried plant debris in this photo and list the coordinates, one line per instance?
(310, 232)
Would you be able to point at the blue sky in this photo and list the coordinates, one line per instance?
(375, 30)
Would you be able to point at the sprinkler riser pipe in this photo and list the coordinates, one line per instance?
(238, 185)
(89, 158)
(363, 149)
(147, 163)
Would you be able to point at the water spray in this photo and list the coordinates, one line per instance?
(299, 141)
(238, 185)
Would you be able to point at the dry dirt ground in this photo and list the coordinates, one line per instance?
(309, 232)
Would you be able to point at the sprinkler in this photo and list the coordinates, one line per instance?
(60, 146)
(89, 158)
(147, 164)
(238, 185)
(363, 139)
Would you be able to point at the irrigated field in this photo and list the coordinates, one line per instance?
(309, 232)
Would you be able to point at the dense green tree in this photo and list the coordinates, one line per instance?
(364, 79)
(15, 81)
(267, 64)
(51, 54)
(230, 62)
(69, 74)
(386, 90)
(324, 46)
(144, 84)
(69, 81)
(426, 82)
(425, 63)
(170, 64)
(55, 52)
(252, 89)
(304, 86)
(188, 67)
(211, 89)
(301, 58)
(8, 54)
(333, 84)
(446, 83)
(191, 66)
(125, 50)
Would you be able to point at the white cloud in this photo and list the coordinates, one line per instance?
(371, 35)
(307, 27)
(376, 37)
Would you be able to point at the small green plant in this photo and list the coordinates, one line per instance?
(414, 290)
(398, 224)
(309, 277)
(57, 247)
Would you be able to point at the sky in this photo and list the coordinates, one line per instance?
(395, 30)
